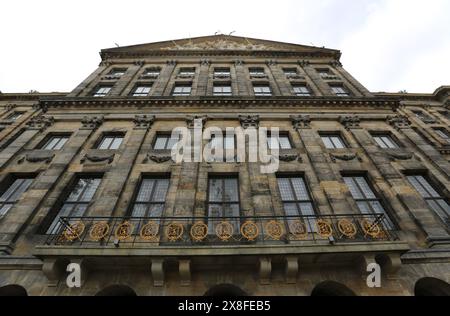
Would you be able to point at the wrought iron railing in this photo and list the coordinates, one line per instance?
(203, 231)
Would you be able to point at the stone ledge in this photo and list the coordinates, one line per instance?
(20, 263)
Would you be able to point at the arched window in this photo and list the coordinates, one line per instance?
(225, 290)
(13, 290)
(331, 288)
(117, 290)
(431, 287)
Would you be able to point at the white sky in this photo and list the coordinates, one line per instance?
(388, 45)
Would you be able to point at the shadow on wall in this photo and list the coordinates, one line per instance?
(117, 290)
(431, 287)
(13, 290)
(331, 288)
(224, 290)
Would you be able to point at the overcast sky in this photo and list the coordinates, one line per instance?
(388, 45)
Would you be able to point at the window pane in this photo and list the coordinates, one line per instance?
(231, 190)
(6, 196)
(328, 143)
(4, 209)
(364, 208)
(415, 183)
(91, 188)
(22, 188)
(337, 141)
(139, 210)
(161, 190)
(116, 143)
(291, 209)
(354, 190)
(428, 187)
(300, 189)
(52, 142)
(106, 142)
(61, 143)
(156, 210)
(364, 186)
(285, 143)
(77, 190)
(145, 190)
(380, 142)
(307, 209)
(215, 190)
(285, 189)
(160, 143)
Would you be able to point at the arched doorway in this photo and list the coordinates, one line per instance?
(431, 287)
(13, 290)
(225, 290)
(117, 290)
(331, 288)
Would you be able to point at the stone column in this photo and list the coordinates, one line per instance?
(279, 79)
(164, 78)
(241, 78)
(202, 83)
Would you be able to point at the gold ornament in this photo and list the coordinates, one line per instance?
(224, 231)
(74, 231)
(99, 231)
(199, 231)
(371, 229)
(275, 230)
(298, 229)
(124, 231)
(174, 232)
(324, 228)
(150, 231)
(250, 231)
(347, 228)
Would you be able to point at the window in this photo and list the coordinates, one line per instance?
(55, 142)
(324, 73)
(228, 145)
(110, 142)
(385, 141)
(117, 72)
(443, 133)
(297, 200)
(222, 90)
(151, 197)
(290, 72)
(182, 90)
(222, 73)
(102, 91)
(15, 116)
(76, 204)
(187, 72)
(280, 142)
(262, 90)
(435, 200)
(223, 202)
(13, 193)
(142, 91)
(301, 90)
(333, 141)
(340, 91)
(365, 198)
(151, 73)
(165, 142)
(257, 72)
(424, 117)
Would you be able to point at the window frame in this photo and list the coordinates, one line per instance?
(252, 71)
(167, 135)
(345, 92)
(96, 94)
(182, 93)
(222, 94)
(7, 184)
(222, 72)
(262, 93)
(333, 135)
(286, 135)
(135, 94)
(443, 134)
(301, 94)
(114, 136)
(389, 136)
(48, 139)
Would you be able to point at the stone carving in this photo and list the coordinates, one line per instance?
(301, 121)
(401, 156)
(171, 63)
(290, 158)
(92, 122)
(399, 121)
(248, 121)
(295, 76)
(350, 122)
(158, 158)
(10, 106)
(190, 120)
(38, 156)
(238, 62)
(143, 121)
(344, 157)
(205, 62)
(271, 62)
(304, 63)
(40, 122)
(221, 44)
(336, 63)
(98, 157)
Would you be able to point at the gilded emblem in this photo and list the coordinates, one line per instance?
(371, 229)
(224, 231)
(324, 228)
(124, 231)
(298, 229)
(199, 231)
(99, 231)
(74, 231)
(174, 232)
(275, 230)
(347, 228)
(149, 231)
(250, 231)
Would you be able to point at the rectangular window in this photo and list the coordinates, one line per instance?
(165, 142)
(297, 200)
(435, 200)
(142, 91)
(182, 90)
(12, 193)
(152, 73)
(223, 202)
(111, 142)
(55, 142)
(102, 91)
(333, 141)
(280, 142)
(14, 116)
(222, 73)
(222, 90)
(301, 90)
(443, 133)
(117, 72)
(324, 73)
(76, 204)
(368, 203)
(228, 145)
(262, 90)
(340, 91)
(385, 141)
(290, 72)
(257, 72)
(151, 197)
(187, 72)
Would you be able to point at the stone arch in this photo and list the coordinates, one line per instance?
(117, 290)
(225, 290)
(13, 290)
(431, 287)
(331, 288)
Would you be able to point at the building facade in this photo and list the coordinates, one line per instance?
(87, 178)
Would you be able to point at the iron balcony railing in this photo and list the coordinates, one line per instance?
(203, 231)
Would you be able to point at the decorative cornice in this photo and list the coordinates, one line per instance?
(249, 121)
(350, 122)
(92, 122)
(190, 120)
(40, 122)
(301, 121)
(143, 121)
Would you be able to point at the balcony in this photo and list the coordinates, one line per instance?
(150, 232)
